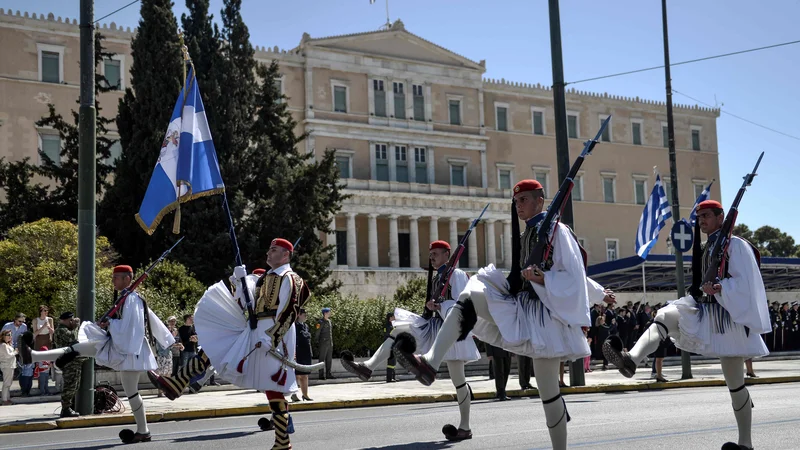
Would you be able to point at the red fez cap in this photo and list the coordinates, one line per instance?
(709, 204)
(123, 269)
(527, 185)
(439, 244)
(259, 271)
(283, 243)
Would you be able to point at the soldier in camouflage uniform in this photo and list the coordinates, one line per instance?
(65, 335)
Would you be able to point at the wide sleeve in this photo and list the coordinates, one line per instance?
(743, 294)
(595, 292)
(457, 283)
(564, 291)
(127, 334)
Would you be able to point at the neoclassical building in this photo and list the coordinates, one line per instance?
(423, 141)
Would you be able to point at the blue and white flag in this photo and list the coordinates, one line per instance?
(703, 197)
(187, 166)
(654, 218)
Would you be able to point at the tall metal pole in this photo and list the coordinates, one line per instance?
(86, 197)
(576, 376)
(686, 362)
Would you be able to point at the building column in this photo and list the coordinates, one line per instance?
(453, 232)
(394, 251)
(507, 243)
(484, 174)
(373, 240)
(491, 247)
(413, 231)
(472, 250)
(331, 240)
(433, 229)
(352, 249)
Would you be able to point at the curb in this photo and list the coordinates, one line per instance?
(121, 419)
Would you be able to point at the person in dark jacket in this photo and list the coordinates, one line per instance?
(390, 363)
(502, 368)
(302, 353)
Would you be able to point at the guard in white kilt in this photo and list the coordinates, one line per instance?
(413, 332)
(244, 356)
(542, 321)
(122, 343)
(726, 320)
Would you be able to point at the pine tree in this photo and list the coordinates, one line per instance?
(142, 119)
(289, 194)
(23, 198)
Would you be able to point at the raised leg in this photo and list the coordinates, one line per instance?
(664, 325)
(173, 387)
(555, 409)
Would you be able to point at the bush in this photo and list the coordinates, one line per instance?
(38, 265)
(358, 324)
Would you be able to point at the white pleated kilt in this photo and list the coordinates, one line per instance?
(520, 324)
(108, 356)
(225, 335)
(707, 329)
(425, 331)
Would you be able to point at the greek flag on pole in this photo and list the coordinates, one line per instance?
(703, 197)
(187, 166)
(654, 218)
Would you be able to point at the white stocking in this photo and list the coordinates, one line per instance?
(87, 348)
(382, 353)
(555, 410)
(451, 328)
(459, 379)
(130, 383)
(649, 341)
(742, 405)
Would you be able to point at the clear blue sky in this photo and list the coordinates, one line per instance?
(599, 38)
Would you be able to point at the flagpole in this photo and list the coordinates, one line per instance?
(176, 224)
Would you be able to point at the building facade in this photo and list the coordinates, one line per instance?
(422, 139)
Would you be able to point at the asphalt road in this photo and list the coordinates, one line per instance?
(696, 418)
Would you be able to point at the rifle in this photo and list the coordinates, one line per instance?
(541, 251)
(119, 302)
(716, 269)
(444, 281)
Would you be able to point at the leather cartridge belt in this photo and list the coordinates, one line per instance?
(267, 314)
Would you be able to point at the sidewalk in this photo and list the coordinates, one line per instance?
(36, 415)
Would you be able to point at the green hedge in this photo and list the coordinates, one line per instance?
(358, 324)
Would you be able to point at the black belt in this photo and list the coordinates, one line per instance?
(707, 299)
(269, 313)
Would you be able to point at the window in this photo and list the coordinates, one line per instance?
(381, 163)
(640, 191)
(340, 98)
(612, 250)
(696, 138)
(577, 190)
(278, 83)
(582, 243)
(380, 98)
(399, 101)
(421, 165)
(501, 116)
(50, 62)
(540, 175)
(606, 136)
(572, 125)
(504, 179)
(609, 185)
(341, 248)
(668, 189)
(51, 148)
(636, 131)
(537, 118)
(458, 174)
(665, 135)
(419, 103)
(401, 163)
(698, 189)
(111, 71)
(455, 112)
(343, 163)
(114, 153)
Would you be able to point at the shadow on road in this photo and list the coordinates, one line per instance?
(416, 446)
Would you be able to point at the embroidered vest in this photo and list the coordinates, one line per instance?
(268, 303)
